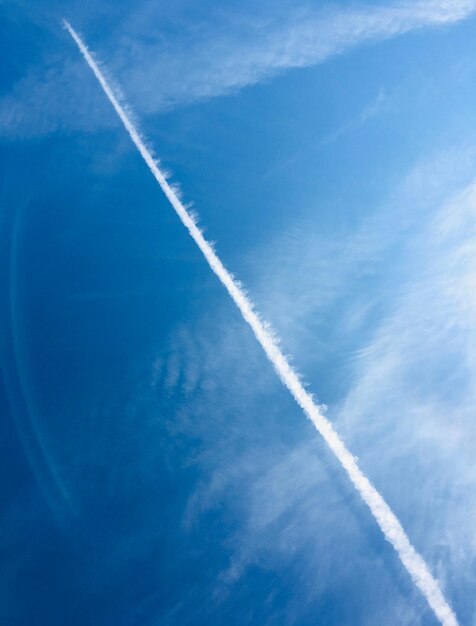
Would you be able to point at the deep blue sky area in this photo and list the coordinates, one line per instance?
(153, 470)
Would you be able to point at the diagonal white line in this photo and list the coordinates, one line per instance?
(383, 514)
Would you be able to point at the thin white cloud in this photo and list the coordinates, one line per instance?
(212, 60)
(255, 51)
(383, 515)
(287, 516)
(421, 364)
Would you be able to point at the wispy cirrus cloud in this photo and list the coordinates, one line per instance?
(208, 59)
(413, 393)
(407, 402)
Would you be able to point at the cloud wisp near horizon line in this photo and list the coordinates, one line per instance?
(382, 513)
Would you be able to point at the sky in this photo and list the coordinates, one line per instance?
(154, 470)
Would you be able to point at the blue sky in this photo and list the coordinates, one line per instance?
(155, 471)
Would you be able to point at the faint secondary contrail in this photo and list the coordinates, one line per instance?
(383, 514)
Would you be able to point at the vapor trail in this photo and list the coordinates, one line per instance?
(384, 516)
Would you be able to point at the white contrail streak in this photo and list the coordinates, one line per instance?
(386, 519)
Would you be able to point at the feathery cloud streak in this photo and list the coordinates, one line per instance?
(223, 55)
(262, 48)
(384, 516)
